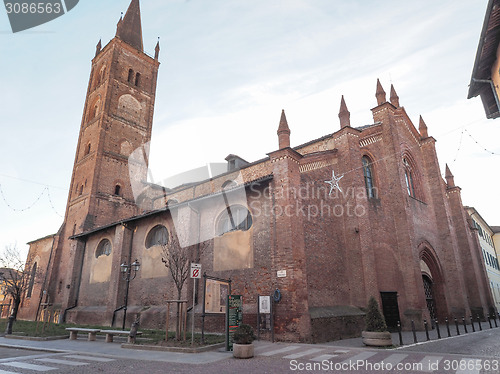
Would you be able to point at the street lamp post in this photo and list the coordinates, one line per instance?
(126, 270)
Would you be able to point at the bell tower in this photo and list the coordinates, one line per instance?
(117, 119)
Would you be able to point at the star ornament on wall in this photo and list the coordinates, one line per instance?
(334, 182)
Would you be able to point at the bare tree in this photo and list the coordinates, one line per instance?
(17, 276)
(178, 260)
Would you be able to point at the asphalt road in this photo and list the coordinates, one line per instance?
(474, 350)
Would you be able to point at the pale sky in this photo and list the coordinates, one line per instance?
(227, 69)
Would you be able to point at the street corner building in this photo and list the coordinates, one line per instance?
(361, 212)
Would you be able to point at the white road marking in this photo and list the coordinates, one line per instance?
(62, 362)
(281, 350)
(323, 357)
(90, 358)
(304, 353)
(24, 365)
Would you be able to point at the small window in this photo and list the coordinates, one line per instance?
(117, 190)
(234, 218)
(87, 149)
(80, 191)
(130, 75)
(103, 249)
(138, 79)
(368, 175)
(157, 236)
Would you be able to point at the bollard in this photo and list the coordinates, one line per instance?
(437, 328)
(472, 324)
(465, 325)
(495, 319)
(426, 330)
(8, 328)
(456, 325)
(447, 326)
(479, 321)
(400, 335)
(489, 321)
(414, 333)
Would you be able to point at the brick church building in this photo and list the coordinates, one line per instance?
(361, 212)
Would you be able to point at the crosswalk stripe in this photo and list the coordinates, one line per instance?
(7, 372)
(90, 358)
(262, 348)
(360, 356)
(320, 358)
(341, 351)
(24, 365)
(62, 362)
(281, 350)
(475, 366)
(429, 363)
(394, 359)
(304, 353)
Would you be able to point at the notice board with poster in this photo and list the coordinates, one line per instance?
(216, 292)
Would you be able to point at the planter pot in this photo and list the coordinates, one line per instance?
(377, 339)
(243, 350)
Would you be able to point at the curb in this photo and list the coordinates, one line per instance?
(172, 349)
(37, 338)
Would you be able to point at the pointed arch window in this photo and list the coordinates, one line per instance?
(368, 175)
(137, 79)
(118, 190)
(409, 178)
(32, 280)
(130, 75)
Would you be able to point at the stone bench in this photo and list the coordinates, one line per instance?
(111, 333)
(73, 332)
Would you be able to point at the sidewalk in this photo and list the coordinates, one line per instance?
(114, 350)
(408, 338)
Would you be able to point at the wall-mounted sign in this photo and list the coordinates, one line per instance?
(265, 304)
(281, 273)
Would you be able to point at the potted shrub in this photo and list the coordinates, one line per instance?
(243, 338)
(376, 333)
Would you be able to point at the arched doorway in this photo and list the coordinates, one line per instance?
(429, 297)
(432, 283)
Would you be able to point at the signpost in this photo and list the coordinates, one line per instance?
(195, 274)
(234, 317)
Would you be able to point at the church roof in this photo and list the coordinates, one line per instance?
(130, 29)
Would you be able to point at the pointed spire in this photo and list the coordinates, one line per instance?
(394, 97)
(422, 128)
(283, 132)
(344, 114)
(450, 181)
(98, 47)
(380, 93)
(129, 29)
(157, 49)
